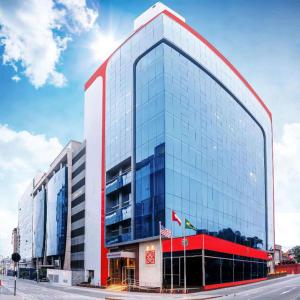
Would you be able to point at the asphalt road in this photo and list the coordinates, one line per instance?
(287, 288)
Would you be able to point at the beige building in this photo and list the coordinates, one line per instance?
(15, 241)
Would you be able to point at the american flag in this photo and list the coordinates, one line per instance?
(165, 232)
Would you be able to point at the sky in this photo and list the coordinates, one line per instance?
(43, 70)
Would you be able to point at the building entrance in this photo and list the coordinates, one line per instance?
(128, 274)
(121, 270)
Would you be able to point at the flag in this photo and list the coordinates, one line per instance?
(165, 232)
(188, 225)
(175, 218)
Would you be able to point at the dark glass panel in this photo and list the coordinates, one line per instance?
(227, 270)
(212, 270)
(238, 270)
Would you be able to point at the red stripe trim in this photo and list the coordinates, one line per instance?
(273, 193)
(98, 71)
(228, 284)
(202, 39)
(223, 58)
(103, 254)
(104, 260)
(195, 242)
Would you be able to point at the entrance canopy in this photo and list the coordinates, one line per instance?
(121, 254)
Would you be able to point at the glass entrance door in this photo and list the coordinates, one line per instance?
(128, 274)
(121, 270)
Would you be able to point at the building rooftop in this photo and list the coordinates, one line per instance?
(152, 12)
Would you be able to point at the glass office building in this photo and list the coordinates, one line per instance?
(52, 221)
(182, 130)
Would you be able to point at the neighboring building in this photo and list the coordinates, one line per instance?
(6, 266)
(25, 227)
(170, 124)
(278, 254)
(51, 219)
(52, 198)
(15, 241)
(78, 213)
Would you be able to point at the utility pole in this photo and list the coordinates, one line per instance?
(203, 261)
(37, 269)
(161, 258)
(184, 259)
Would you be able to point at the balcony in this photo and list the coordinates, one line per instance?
(118, 215)
(118, 182)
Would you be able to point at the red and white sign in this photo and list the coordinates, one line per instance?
(150, 257)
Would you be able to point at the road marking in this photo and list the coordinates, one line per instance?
(288, 291)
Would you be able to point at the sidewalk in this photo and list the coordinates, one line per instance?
(10, 297)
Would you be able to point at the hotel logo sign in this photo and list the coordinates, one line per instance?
(150, 257)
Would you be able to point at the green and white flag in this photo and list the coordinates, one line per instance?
(188, 225)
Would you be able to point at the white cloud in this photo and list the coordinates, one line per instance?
(34, 33)
(102, 44)
(16, 78)
(23, 154)
(9, 221)
(287, 188)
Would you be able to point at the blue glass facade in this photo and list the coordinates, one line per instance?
(212, 152)
(196, 139)
(149, 144)
(215, 168)
(57, 208)
(39, 208)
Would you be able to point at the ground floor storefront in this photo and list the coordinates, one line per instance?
(205, 263)
(219, 269)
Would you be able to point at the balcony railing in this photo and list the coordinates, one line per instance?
(118, 182)
(119, 215)
(114, 239)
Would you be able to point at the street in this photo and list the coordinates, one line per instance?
(286, 288)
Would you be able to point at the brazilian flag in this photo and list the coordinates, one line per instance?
(188, 225)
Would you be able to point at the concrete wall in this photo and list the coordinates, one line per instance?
(78, 277)
(150, 274)
(61, 277)
(93, 138)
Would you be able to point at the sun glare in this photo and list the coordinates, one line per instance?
(103, 45)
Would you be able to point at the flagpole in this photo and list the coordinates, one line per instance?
(203, 262)
(184, 252)
(161, 259)
(172, 258)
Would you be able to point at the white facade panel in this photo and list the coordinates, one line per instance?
(150, 270)
(93, 138)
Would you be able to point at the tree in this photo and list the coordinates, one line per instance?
(296, 252)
